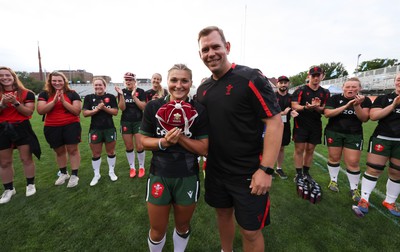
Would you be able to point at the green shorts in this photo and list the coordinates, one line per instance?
(130, 127)
(102, 135)
(349, 141)
(164, 191)
(384, 147)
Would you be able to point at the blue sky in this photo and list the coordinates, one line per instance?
(144, 37)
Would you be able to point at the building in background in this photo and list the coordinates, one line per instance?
(79, 76)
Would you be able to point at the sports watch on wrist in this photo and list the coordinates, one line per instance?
(268, 170)
(16, 104)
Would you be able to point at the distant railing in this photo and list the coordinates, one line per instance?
(374, 81)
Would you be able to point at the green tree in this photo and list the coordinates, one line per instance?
(30, 83)
(333, 70)
(375, 64)
(298, 79)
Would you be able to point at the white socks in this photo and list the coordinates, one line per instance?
(156, 246)
(141, 157)
(333, 171)
(96, 167)
(180, 240)
(392, 191)
(111, 163)
(131, 159)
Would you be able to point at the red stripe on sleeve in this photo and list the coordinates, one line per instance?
(260, 99)
(299, 97)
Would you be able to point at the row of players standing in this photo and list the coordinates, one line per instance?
(61, 108)
(343, 134)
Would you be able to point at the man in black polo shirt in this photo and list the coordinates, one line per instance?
(284, 101)
(239, 102)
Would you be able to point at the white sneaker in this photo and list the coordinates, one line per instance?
(61, 179)
(95, 180)
(73, 181)
(30, 190)
(113, 177)
(6, 196)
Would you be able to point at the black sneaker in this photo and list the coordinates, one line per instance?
(281, 174)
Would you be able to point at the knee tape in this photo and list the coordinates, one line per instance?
(376, 167)
(396, 167)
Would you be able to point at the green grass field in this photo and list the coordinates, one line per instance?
(112, 216)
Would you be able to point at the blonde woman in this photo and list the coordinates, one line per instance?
(156, 91)
(16, 108)
(174, 171)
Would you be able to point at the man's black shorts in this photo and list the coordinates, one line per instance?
(251, 211)
(304, 135)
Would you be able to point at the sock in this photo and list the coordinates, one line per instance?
(75, 172)
(111, 163)
(9, 186)
(180, 240)
(333, 171)
(156, 246)
(130, 155)
(279, 168)
(392, 190)
(367, 186)
(141, 156)
(96, 162)
(354, 178)
(305, 170)
(63, 170)
(30, 181)
(299, 171)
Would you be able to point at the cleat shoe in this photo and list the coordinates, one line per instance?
(281, 174)
(141, 172)
(61, 179)
(392, 208)
(6, 196)
(30, 190)
(363, 206)
(355, 195)
(113, 177)
(132, 173)
(95, 180)
(357, 211)
(73, 181)
(333, 186)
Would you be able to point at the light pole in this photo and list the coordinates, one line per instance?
(358, 60)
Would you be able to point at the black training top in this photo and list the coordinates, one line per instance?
(175, 161)
(235, 104)
(101, 120)
(390, 125)
(132, 112)
(310, 119)
(151, 92)
(346, 122)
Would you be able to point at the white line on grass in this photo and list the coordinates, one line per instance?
(376, 191)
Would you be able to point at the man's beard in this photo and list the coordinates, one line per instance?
(282, 89)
